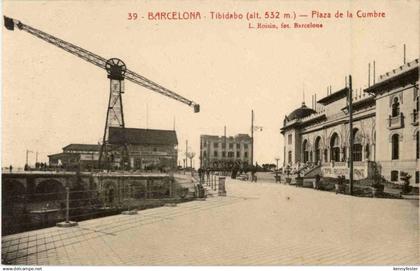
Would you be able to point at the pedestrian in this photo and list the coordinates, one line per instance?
(317, 180)
(253, 172)
(10, 168)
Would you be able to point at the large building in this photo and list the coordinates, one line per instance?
(225, 152)
(147, 149)
(385, 130)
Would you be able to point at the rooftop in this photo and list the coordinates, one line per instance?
(408, 73)
(82, 147)
(300, 112)
(138, 136)
(335, 96)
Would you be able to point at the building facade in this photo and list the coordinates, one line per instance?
(147, 149)
(225, 152)
(85, 156)
(385, 130)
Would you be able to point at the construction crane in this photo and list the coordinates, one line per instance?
(116, 72)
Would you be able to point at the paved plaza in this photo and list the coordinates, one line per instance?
(255, 224)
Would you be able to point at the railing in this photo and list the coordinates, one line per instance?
(396, 122)
(24, 211)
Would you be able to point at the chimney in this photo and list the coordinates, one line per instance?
(374, 74)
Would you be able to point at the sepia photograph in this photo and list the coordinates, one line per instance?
(186, 133)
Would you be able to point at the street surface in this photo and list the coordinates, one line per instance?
(256, 224)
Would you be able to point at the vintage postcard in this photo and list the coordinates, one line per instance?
(210, 133)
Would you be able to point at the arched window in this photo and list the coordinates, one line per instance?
(357, 146)
(395, 107)
(344, 154)
(317, 149)
(335, 148)
(305, 148)
(395, 146)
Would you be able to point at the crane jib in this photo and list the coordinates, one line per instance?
(10, 24)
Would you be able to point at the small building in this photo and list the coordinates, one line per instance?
(225, 152)
(74, 155)
(147, 149)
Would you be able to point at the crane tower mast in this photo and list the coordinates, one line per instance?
(117, 72)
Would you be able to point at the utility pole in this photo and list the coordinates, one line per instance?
(27, 157)
(350, 101)
(226, 151)
(252, 137)
(186, 153)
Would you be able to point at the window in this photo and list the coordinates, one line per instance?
(154, 149)
(223, 154)
(230, 154)
(335, 148)
(205, 143)
(238, 154)
(215, 154)
(357, 146)
(290, 157)
(289, 139)
(245, 154)
(395, 146)
(204, 154)
(305, 148)
(245, 146)
(417, 145)
(395, 107)
(367, 151)
(317, 150)
(230, 145)
(417, 177)
(394, 176)
(238, 146)
(344, 154)
(215, 144)
(223, 145)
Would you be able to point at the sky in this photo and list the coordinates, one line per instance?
(51, 98)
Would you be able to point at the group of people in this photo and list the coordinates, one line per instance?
(234, 172)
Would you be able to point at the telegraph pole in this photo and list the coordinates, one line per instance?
(27, 157)
(186, 153)
(350, 100)
(252, 137)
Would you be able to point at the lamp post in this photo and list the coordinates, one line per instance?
(277, 163)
